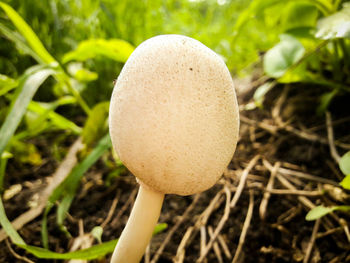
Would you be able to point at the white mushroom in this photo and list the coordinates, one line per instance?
(174, 123)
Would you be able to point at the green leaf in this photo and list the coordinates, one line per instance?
(302, 33)
(6, 225)
(94, 252)
(91, 253)
(325, 100)
(299, 15)
(24, 93)
(44, 111)
(85, 75)
(116, 49)
(25, 152)
(259, 94)
(97, 232)
(318, 212)
(6, 155)
(160, 228)
(336, 25)
(282, 56)
(28, 33)
(7, 84)
(96, 125)
(82, 74)
(255, 7)
(20, 42)
(345, 183)
(344, 163)
(344, 208)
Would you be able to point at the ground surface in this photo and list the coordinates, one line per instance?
(284, 145)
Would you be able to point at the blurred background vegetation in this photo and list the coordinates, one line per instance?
(58, 60)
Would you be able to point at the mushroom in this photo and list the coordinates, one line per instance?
(174, 124)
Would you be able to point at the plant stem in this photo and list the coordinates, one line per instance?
(65, 79)
(139, 228)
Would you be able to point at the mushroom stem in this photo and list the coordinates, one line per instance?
(140, 226)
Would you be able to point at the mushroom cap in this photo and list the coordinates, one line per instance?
(174, 116)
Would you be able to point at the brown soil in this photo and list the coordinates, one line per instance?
(286, 134)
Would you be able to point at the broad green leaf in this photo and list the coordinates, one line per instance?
(24, 93)
(96, 125)
(299, 15)
(26, 31)
(115, 49)
(6, 225)
(259, 94)
(7, 84)
(336, 25)
(318, 212)
(345, 183)
(344, 163)
(282, 56)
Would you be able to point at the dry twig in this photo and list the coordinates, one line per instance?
(245, 227)
(224, 247)
(267, 194)
(215, 246)
(202, 220)
(220, 225)
(312, 241)
(174, 228)
(333, 150)
(243, 180)
(111, 210)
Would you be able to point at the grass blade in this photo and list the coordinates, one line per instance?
(93, 252)
(6, 224)
(23, 96)
(72, 181)
(20, 42)
(56, 119)
(70, 184)
(32, 39)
